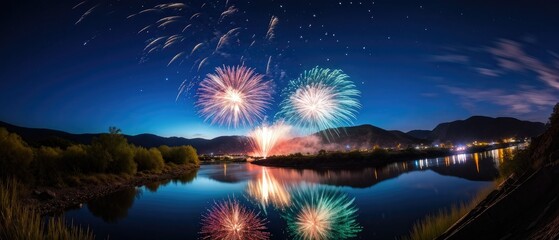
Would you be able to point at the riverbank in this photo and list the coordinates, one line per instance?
(533, 196)
(526, 205)
(54, 200)
(59, 177)
(356, 159)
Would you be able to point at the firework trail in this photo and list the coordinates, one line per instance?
(270, 34)
(89, 8)
(320, 99)
(230, 11)
(320, 213)
(86, 13)
(177, 24)
(229, 220)
(266, 189)
(226, 38)
(265, 138)
(233, 96)
(268, 65)
(200, 34)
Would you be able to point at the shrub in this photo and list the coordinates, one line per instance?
(150, 160)
(15, 155)
(48, 165)
(113, 154)
(123, 161)
(165, 152)
(76, 159)
(179, 155)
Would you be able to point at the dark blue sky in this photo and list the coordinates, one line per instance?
(416, 63)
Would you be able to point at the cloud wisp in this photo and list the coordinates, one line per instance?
(505, 60)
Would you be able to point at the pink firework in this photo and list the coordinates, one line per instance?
(230, 221)
(265, 138)
(234, 96)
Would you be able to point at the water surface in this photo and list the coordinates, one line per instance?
(389, 199)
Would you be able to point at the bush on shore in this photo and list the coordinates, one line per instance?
(149, 160)
(179, 155)
(47, 164)
(114, 153)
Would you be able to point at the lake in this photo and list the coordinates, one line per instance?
(369, 203)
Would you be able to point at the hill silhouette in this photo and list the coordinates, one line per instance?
(362, 136)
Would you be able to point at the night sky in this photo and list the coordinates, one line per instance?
(416, 63)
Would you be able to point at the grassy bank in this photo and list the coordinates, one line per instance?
(433, 225)
(18, 221)
(92, 187)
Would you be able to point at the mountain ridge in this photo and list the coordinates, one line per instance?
(355, 137)
(482, 128)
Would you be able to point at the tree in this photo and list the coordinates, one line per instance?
(114, 130)
(555, 115)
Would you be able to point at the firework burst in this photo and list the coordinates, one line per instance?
(265, 138)
(319, 213)
(234, 96)
(320, 99)
(229, 220)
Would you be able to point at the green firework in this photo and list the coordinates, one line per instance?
(321, 213)
(320, 99)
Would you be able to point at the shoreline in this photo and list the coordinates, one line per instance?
(69, 197)
(352, 160)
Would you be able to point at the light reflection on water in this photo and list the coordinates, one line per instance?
(387, 200)
(266, 190)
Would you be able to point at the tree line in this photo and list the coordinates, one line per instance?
(108, 153)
